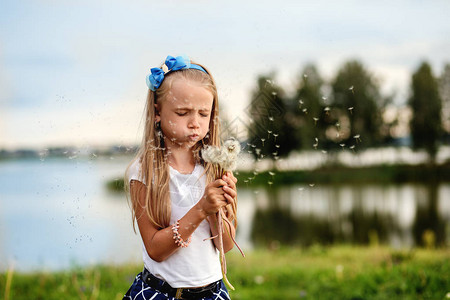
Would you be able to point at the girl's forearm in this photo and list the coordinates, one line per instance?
(162, 245)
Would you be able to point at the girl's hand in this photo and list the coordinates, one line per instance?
(214, 197)
(230, 187)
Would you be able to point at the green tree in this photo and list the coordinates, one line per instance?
(358, 103)
(306, 112)
(269, 134)
(426, 105)
(444, 92)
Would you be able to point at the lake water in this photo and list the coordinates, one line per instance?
(57, 213)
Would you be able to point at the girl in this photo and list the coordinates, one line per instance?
(174, 195)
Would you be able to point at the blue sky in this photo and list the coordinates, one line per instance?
(73, 72)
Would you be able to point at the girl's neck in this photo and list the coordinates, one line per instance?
(181, 159)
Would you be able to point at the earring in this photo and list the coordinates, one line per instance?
(159, 133)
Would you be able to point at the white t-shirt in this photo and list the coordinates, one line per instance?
(198, 264)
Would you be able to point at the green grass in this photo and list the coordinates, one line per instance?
(338, 272)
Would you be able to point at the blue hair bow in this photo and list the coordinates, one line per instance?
(156, 76)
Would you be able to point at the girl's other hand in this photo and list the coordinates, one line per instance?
(230, 187)
(214, 197)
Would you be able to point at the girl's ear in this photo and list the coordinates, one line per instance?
(157, 115)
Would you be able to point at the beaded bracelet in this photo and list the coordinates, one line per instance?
(177, 236)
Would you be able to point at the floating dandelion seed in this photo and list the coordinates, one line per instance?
(352, 147)
(274, 153)
(274, 93)
(301, 189)
(327, 110)
(271, 173)
(357, 138)
(315, 121)
(316, 143)
(268, 133)
(350, 109)
(305, 111)
(312, 184)
(324, 98)
(262, 140)
(275, 136)
(338, 125)
(351, 89)
(277, 146)
(270, 182)
(271, 118)
(305, 76)
(342, 145)
(300, 103)
(324, 151)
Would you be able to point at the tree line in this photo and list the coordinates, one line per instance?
(345, 112)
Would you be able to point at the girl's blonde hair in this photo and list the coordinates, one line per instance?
(152, 155)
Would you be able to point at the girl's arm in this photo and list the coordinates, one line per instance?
(159, 242)
(228, 227)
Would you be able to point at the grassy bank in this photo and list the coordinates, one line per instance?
(381, 174)
(339, 174)
(315, 273)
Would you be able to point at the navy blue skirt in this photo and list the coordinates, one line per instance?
(140, 290)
